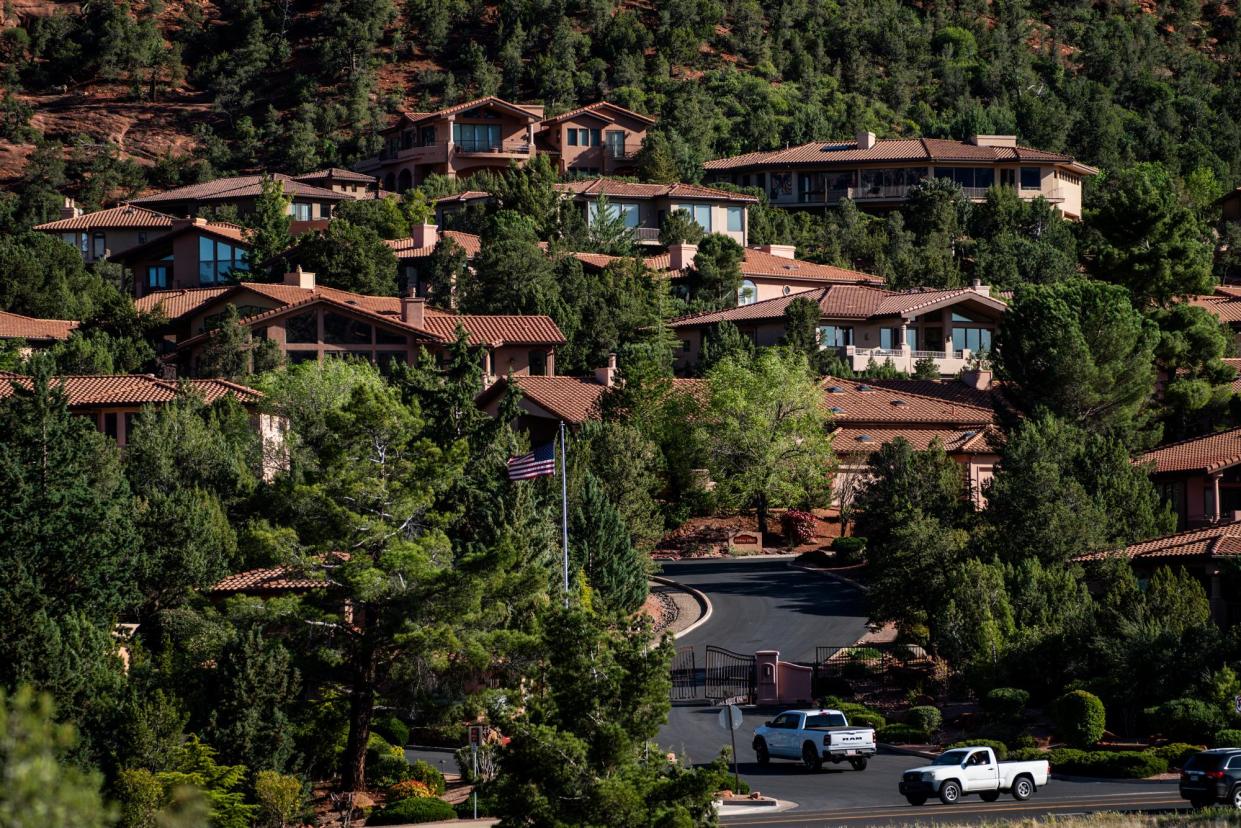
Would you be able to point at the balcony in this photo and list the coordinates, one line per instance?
(645, 235)
(483, 147)
(905, 359)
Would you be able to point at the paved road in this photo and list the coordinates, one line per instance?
(765, 604)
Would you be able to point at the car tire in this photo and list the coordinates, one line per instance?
(950, 792)
(859, 764)
(1235, 798)
(761, 754)
(810, 757)
(1023, 788)
(915, 800)
(989, 796)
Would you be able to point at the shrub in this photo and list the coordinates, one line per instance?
(1001, 749)
(412, 811)
(902, 734)
(1080, 718)
(720, 776)
(141, 795)
(429, 775)
(797, 527)
(388, 767)
(849, 550)
(924, 718)
(1227, 738)
(1023, 741)
(1026, 754)
(1185, 720)
(1176, 753)
(867, 720)
(280, 798)
(1006, 703)
(392, 729)
(1121, 764)
(409, 789)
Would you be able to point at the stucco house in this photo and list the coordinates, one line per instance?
(878, 173)
(192, 253)
(412, 254)
(863, 324)
(597, 139)
(1200, 477)
(105, 233)
(308, 201)
(546, 402)
(645, 206)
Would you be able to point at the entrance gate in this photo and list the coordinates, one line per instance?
(685, 680)
(725, 675)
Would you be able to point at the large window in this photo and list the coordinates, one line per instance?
(971, 178)
(890, 339)
(476, 137)
(747, 294)
(977, 340)
(299, 211)
(426, 136)
(889, 182)
(303, 328)
(100, 242)
(700, 213)
(157, 277)
(538, 363)
(1031, 178)
(736, 219)
(627, 210)
(835, 336)
(344, 330)
(218, 259)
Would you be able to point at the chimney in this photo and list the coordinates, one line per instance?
(681, 256)
(977, 378)
(607, 376)
(865, 140)
(784, 251)
(304, 279)
(978, 287)
(69, 209)
(413, 310)
(424, 235)
(993, 140)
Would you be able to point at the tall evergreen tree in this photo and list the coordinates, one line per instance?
(269, 230)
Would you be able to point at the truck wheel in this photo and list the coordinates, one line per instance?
(810, 757)
(989, 796)
(1023, 788)
(915, 799)
(950, 792)
(761, 753)
(1235, 799)
(859, 764)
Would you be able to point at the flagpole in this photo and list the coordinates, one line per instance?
(564, 514)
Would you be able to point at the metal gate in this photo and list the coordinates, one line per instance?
(685, 681)
(728, 675)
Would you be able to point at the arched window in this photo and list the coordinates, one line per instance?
(747, 294)
(404, 181)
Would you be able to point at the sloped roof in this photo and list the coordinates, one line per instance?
(1235, 362)
(1208, 453)
(234, 233)
(949, 390)
(404, 248)
(178, 303)
(121, 217)
(337, 173)
(16, 326)
(241, 186)
(490, 100)
(86, 390)
(854, 401)
(821, 154)
(1224, 303)
(1221, 540)
(268, 579)
(573, 399)
(865, 440)
(612, 187)
(462, 197)
(761, 264)
(594, 109)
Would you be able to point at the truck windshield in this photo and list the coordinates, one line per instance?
(951, 757)
(825, 720)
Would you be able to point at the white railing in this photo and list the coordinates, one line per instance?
(905, 359)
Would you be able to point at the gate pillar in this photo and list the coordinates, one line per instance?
(767, 676)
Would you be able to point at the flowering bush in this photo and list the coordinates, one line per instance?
(409, 789)
(798, 527)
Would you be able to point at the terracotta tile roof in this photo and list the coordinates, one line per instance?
(462, 107)
(865, 440)
(612, 187)
(594, 110)
(404, 248)
(1221, 540)
(16, 326)
(178, 303)
(820, 154)
(1206, 454)
(92, 390)
(576, 399)
(858, 401)
(242, 186)
(274, 579)
(950, 390)
(494, 331)
(1225, 304)
(1235, 362)
(123, 216)
(468, 195)
(761, 263)
(338, 173)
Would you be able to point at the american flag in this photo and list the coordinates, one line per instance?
(538, 463)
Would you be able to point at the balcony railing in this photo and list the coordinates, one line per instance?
(644, 234)
(501, 147)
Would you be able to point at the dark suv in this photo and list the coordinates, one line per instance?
(1213, 776)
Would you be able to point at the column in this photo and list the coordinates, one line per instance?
(1215, 484)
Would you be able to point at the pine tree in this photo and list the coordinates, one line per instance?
(269, 230)
(601, 549)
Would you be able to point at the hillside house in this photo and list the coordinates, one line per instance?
(105, 233)
(308, 202)
(192, 253)
(546, 402)
(877, 174)
(347, 182)
(413, 252)
(646, 206)
(34, 334)
(1200, 477)
(864, 324)
(598, 139)
(1225, 305)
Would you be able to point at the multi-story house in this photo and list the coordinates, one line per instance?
(310, 322)
(598, 139)
(878, 174)
(413, 252)
(488, 133)
(1200, 477)
(864, 324)
(105, 233)
(347, 182)
(192, 253)
(645, 206)
(308, 202)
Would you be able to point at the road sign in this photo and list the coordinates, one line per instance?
(730, 717)
(476, 734)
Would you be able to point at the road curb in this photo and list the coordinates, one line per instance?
(704, 603)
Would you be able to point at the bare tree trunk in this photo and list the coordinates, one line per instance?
(760, 507)
(361, 709)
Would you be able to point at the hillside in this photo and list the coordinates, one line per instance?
(187, 89)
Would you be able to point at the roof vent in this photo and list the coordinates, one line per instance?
(968, 435)
(835, 409)
(865, 387)
(835, 389)
(864, 438)
(899, 403)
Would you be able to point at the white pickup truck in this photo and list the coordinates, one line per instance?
(814, 736)
(973, 770)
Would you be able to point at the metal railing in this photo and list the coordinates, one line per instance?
(513, 147)
(645, 234)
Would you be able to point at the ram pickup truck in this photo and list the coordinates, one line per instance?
(973, 770)
(814, 736)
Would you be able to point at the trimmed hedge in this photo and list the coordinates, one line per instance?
(1185, 720)
(1026, 754)
(1006, 703)
(874, 720)
(1227, 738)
(392, 729)
(1121, 764)
(1176, 753)
(421, 809)
(1000, 749)
(849, 550)
(902, 734)
(924, 717)
(1080, 718)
